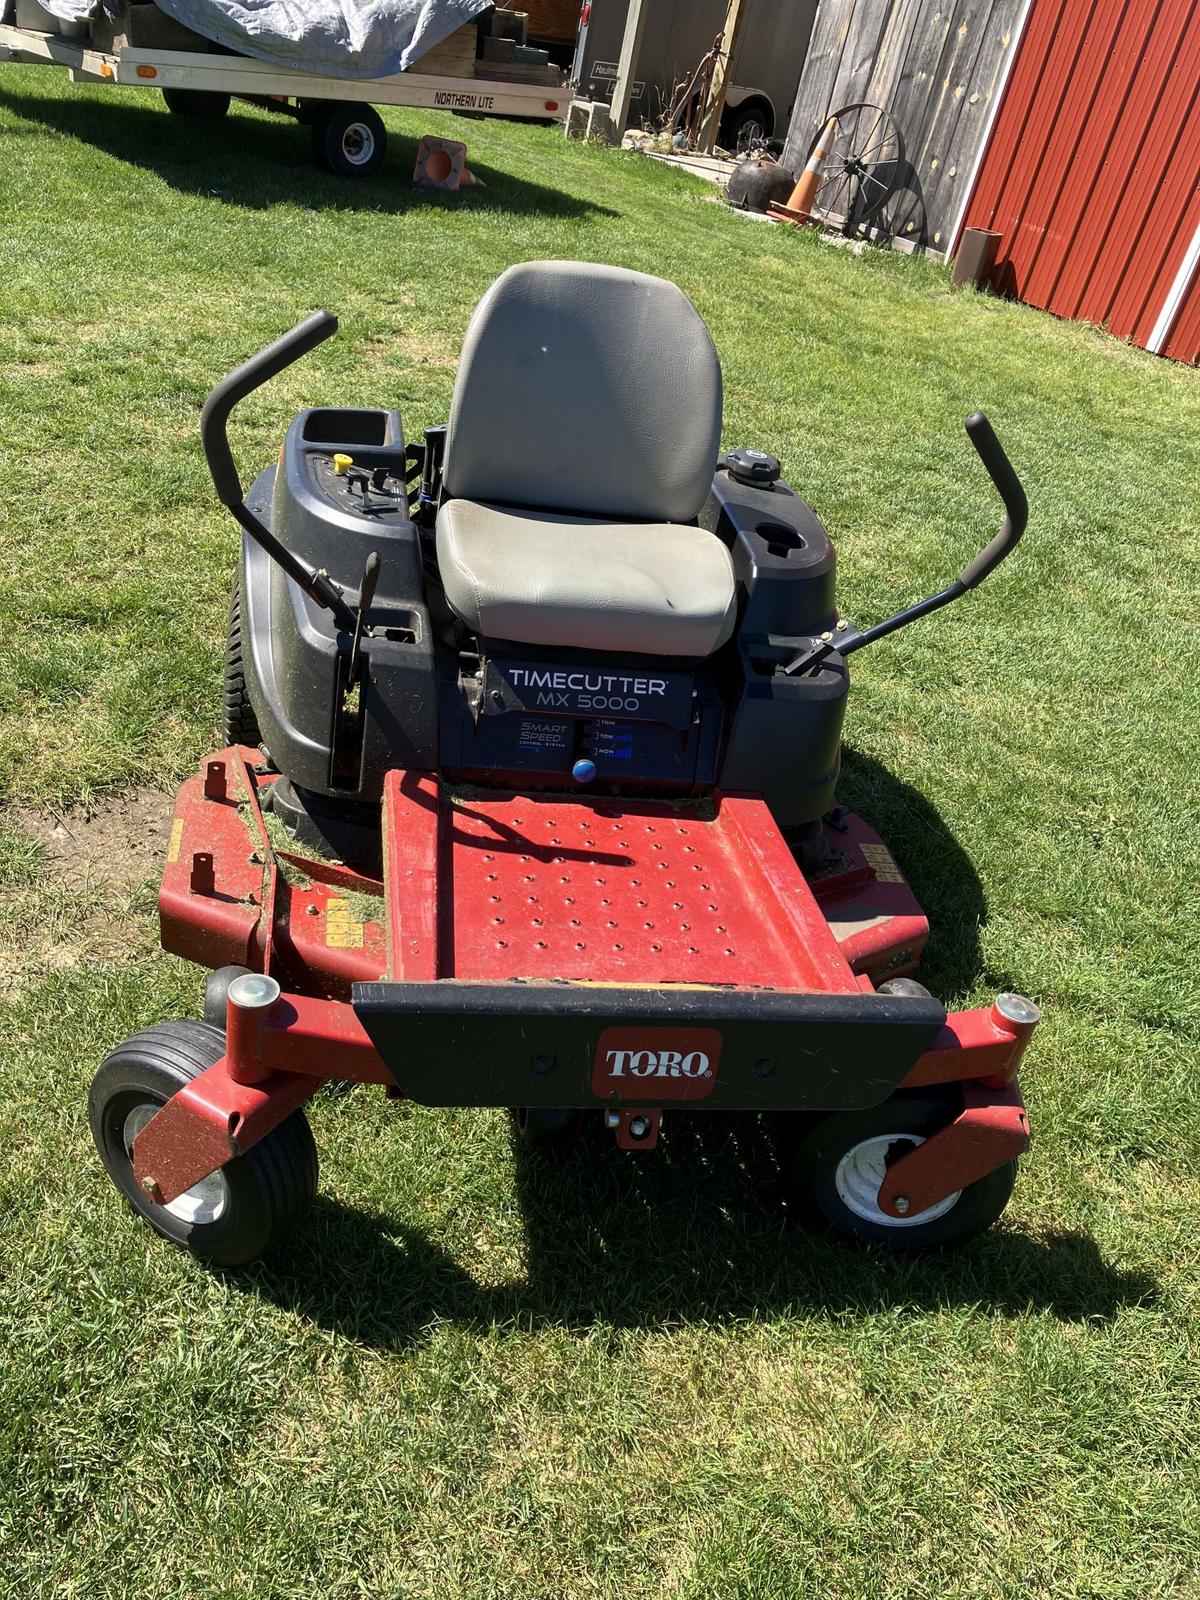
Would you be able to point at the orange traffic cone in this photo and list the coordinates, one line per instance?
(441, 164)
(799, 203)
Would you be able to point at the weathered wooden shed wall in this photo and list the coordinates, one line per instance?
(937, 66)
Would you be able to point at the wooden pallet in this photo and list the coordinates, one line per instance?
(497, 72)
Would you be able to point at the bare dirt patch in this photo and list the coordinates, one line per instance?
(87, 906)
(112, 844)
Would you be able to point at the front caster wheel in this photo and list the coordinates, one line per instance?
(236, 1214)
(548, 1127)
(840, 1162)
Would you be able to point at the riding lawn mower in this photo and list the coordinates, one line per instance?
(527, 800)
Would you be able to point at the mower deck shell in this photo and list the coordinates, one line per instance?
(673, 999)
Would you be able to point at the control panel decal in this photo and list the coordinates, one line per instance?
(595, 690)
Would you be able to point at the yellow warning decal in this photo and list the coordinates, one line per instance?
(882, 864)
(176, 839)
(341, 930)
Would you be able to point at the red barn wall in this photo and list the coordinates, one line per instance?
(1092, 170)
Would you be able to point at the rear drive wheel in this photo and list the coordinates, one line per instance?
(239, 725)
(236, 1214)
(203, 104)
(350, 140)
(841, 1160)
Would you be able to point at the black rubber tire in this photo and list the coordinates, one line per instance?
(546, 1127)
(216, 994)
(239, 725)
(349, 140)
(816, 1156)
(737, 125)
(269, 1188)
(203, 105)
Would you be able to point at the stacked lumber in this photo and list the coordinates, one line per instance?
(554, 21)
(454, 57)
(494, 47)
(506, 55)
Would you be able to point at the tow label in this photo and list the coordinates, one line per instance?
(458, 100)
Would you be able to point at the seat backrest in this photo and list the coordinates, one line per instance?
(586, 389)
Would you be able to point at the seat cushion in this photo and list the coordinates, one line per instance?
(538, 577)
(592, 376)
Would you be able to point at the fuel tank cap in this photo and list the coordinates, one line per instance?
(753, 466)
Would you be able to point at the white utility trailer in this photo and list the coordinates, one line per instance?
(349, 137)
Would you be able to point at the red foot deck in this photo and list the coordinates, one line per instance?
(563, 951)
(638, 893)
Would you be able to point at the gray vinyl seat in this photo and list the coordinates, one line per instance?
(583, 435)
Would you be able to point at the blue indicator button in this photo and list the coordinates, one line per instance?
(584, 771)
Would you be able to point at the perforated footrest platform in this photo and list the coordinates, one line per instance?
(552, 950)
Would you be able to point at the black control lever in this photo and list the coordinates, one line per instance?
(214, 435)
(366, 594)
(1008, 487)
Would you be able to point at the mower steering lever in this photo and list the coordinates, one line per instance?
(1008, 487)
(214, 436)
(234, 388)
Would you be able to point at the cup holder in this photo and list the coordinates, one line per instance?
(781, 540)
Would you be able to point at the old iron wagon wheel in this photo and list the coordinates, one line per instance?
(863, 166)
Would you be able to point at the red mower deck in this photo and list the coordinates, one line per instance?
(482, 895)
(490, 887)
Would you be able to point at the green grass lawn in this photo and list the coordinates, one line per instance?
(471, 1373)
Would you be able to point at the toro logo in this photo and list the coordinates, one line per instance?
(656, 1063)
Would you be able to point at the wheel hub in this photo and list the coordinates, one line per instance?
(861, 1172)
(205, 1201)
(358, 143)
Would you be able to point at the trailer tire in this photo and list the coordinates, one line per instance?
(239, 724)
(349, 140)
(204, 105)
(839, 1159)
(240, 1212)
(747, 125)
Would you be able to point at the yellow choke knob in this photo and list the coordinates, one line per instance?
(342, 464)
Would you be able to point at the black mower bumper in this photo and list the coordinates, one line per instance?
(548, 1044)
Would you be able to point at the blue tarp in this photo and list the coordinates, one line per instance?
(341, 38)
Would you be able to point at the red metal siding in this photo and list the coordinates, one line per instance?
(1183, 341)
(1092, 173)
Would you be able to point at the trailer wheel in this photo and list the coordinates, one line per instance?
(238, 1213)
(839, 1164)
(350, 140)
(205, 104)
(746, 126)
(239, 724)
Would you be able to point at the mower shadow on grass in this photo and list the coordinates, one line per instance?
(942, 875)
(699, 1229)
(269, 163)
(698, 1232)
